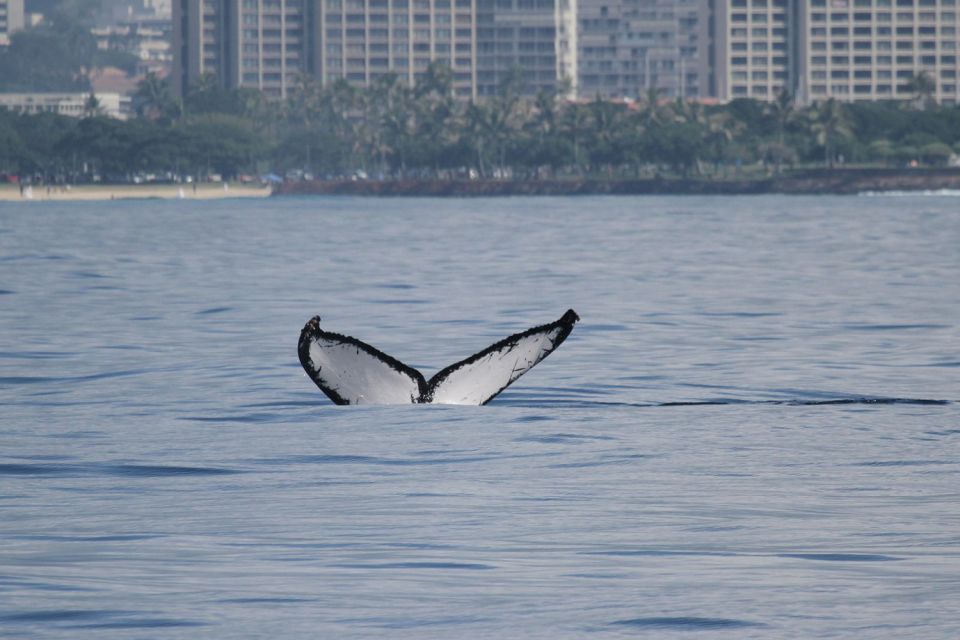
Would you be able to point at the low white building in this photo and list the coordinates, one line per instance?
(66, 104)
(11, 19)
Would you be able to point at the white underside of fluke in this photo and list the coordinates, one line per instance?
(352, 372)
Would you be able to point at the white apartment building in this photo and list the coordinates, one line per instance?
(755, 45)
(259, 44)
(361, 40)
(845, 49)
(627, 47)
(267, 44)
(66, 104)
(871, 49)
(481, 41)
(11, 19)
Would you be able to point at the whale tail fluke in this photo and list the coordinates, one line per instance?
(350, 371)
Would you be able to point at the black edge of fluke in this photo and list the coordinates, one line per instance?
(565, 323)
(312, 330)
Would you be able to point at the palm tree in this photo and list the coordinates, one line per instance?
(575, 125)
(923, 86)
(91, 106)
(783, 112)
(303, 103)
(606, 129)
(652, 113)
(154, 100)
(828, 122)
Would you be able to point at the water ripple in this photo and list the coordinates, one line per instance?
(841, 557)
(470, 566)
(687, 623)
(123, 470)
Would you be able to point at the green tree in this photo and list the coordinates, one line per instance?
(923, 87)
(154, 101)
(829, 124)
(219, 143)
(783, 112)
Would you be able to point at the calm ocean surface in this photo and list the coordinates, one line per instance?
(167, 470)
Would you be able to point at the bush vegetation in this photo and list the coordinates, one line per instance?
(392, 130)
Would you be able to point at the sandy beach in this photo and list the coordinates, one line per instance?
(207, 191)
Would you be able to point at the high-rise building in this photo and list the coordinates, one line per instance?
(844, 49)
(627, 47)
(872, 49)
(538, 38)
(11, 19)
(755, 48)
(242, 43)
(266, 44)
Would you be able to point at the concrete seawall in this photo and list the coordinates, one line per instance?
(825, 181)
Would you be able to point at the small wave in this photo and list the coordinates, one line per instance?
(577, 403)
(264, 600)
(562, 438)
(685, 622)
(657, 553)
(902, 463)
(404, 301)
(470, 566)
(604, 461)
(22, 380)
(247, 418)
(390, 462)
(153, 471)
(57, 615)
(124, 470)
(213, 310)
(893, 327)
(841, 557)
(16, 469)
(143, 623)
(924, 192)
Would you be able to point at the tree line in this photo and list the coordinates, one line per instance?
(391, 130)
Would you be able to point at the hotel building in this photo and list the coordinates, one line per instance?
(627, 47)
(756, 48)
(259, 44)
(845, 49)
(871, 49)
(11, 19)
(266, 44)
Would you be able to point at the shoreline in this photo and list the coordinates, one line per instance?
(813, 182)
(106, 192)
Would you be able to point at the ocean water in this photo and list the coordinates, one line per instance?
(754, 432)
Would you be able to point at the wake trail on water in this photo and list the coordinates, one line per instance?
(582, 403)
